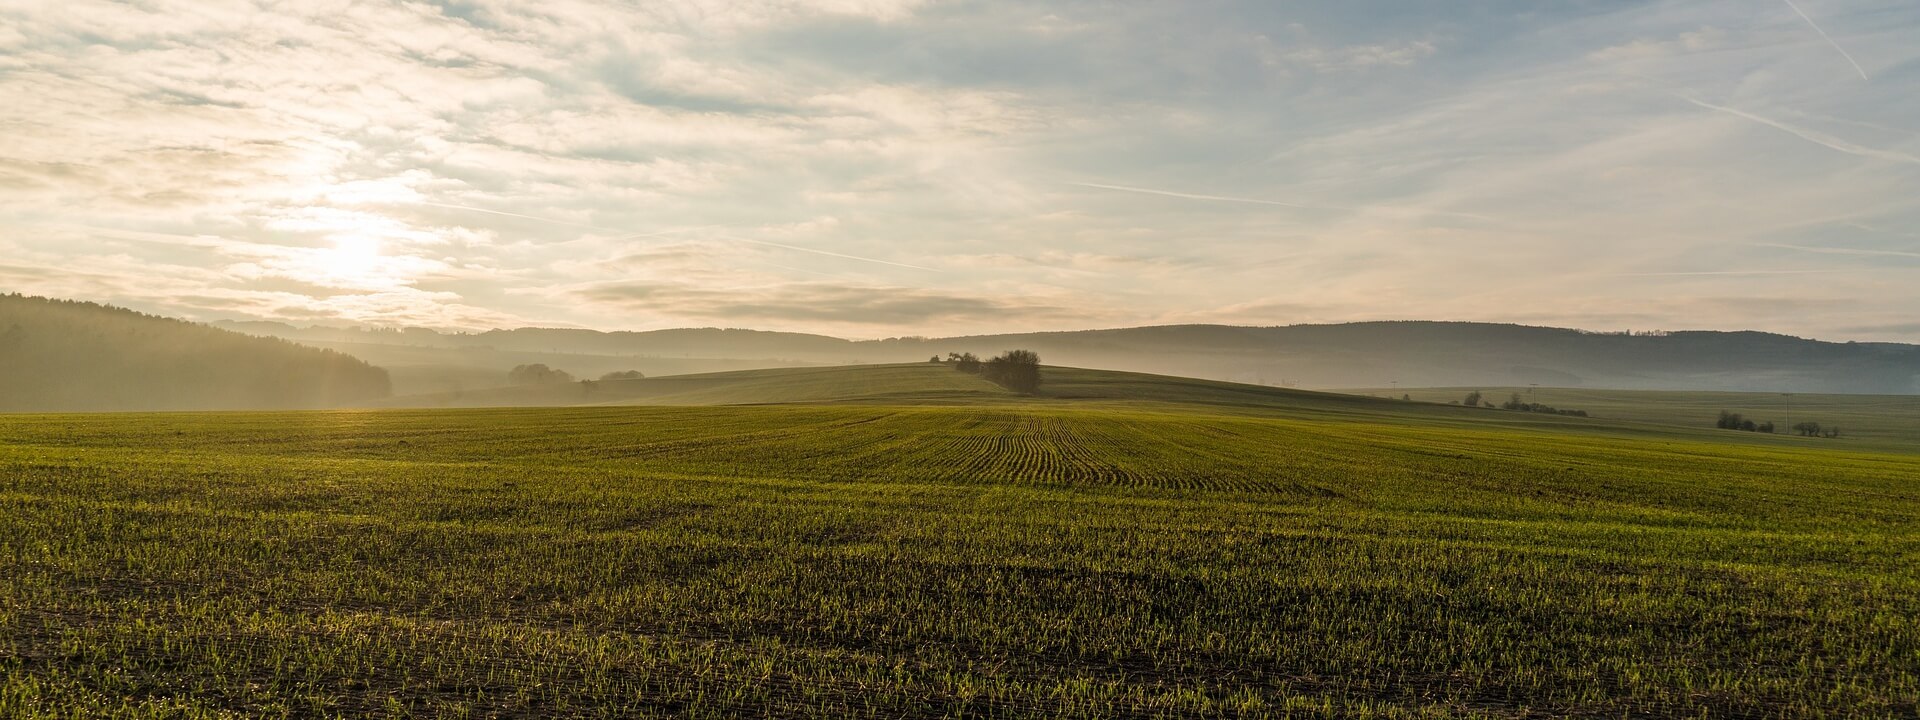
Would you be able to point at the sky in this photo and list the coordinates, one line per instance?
(875, 168)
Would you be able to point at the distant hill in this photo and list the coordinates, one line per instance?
(921, 383)
(58, 355)
(1371, 354)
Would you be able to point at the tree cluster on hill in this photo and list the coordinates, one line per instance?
(1813, 429)
(1516, 403)
(624, 375)
(964, 362)
(68, 355)
(1016, 370)
(1733, 421)
(537, 374)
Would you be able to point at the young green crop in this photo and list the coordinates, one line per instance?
(1019, 559)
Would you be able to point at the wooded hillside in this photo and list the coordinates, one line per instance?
(68, 355)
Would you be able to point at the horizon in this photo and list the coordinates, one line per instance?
(1583, 331)
(875, 168)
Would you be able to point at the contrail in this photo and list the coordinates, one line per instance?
(638, 236)
(1217, 198)
(1830, 41)
(797, 248)
(1883, 231)
(1733, 272)
(667, 232)
(511, 214)
(1817, 138)
(1844, 251)
(1277, 203)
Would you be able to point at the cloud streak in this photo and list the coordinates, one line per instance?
(827, 253)
(1705, 273)
(1210, 198)
(1277, 203)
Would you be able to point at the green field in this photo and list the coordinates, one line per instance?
(906, 541)
(1873, 421)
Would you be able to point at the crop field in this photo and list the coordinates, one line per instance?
(1109, 551)
(1883, 421)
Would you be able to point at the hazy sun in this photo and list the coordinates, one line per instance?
(353, 258)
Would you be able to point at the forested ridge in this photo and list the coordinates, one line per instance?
(60, 355)
(1342, 355)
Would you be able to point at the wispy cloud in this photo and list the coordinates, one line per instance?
(1212, 198)
(1257, 201)
(503, 213)
(471, 164)
(827, 253)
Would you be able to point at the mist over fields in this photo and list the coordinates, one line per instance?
(1375, 354)
(58, 355)
(67, 355)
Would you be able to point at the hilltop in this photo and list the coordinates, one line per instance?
(906, 383)
(64, 355)
(1369, 354)
(1880, 422)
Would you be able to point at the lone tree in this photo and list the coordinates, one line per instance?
(537, 374)
(1473, 399)
(1016, 370)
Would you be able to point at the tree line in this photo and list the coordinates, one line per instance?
(540, 374)
(1734, 421)
(72, 355)
(1475, 399)
(1016, 370)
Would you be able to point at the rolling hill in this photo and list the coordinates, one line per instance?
(920, 383)
(907, 543)
(1872, 421)
(1372, 354)
(75, 356)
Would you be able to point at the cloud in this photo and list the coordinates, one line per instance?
(820, 302)
(1354, 57)
(469, 164)
(1897, 329)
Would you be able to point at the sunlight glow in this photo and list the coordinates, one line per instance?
(353, 260)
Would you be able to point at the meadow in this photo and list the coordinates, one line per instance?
(902, 542)
(1873, 421)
